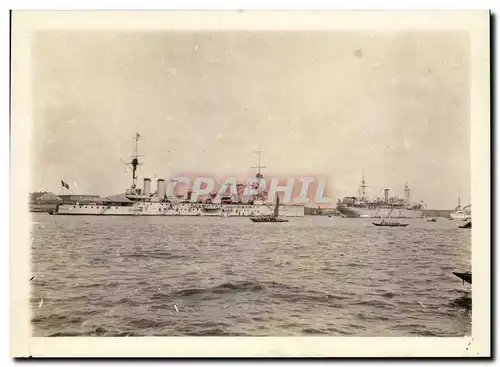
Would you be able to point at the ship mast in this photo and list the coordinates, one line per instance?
(363, 187)
(135, 161)
(259, 174)
(407, 193)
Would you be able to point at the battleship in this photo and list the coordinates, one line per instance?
(146, 202)
(362, 207)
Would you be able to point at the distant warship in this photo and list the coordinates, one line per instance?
(362, 207)
(461, 213)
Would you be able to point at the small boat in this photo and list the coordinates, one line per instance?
(432, 219)
(466, 277)
(383, 223)
(267, 219)
(272, 218)
(390, 224)
(467, 225)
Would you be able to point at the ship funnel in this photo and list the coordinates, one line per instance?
(386, 195)
(240, 189)
(161, 189)
(147, 187)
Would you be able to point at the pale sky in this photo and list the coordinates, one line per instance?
(394, 106)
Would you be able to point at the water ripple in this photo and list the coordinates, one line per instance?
(138, 276)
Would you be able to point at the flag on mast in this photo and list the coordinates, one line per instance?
(64, 184)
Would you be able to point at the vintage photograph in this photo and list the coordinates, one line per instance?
(250, 182)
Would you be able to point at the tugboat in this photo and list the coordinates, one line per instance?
(272, 218)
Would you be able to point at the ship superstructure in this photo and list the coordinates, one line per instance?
(362, 207)
(145, 201)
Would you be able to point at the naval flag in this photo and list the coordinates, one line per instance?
(64, 184)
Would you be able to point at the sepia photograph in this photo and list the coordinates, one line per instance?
(250, 174)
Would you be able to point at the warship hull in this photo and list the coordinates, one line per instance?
(179, 209)
(357, 212)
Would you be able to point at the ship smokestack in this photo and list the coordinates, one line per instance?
(386, 195)
(240, 189)
(147, 186)
(161, 189)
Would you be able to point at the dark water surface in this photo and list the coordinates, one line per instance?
(131, 276)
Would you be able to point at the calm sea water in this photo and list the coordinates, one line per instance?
(132, 276)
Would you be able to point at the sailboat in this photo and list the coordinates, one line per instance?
(272, 218)
(383, 223)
